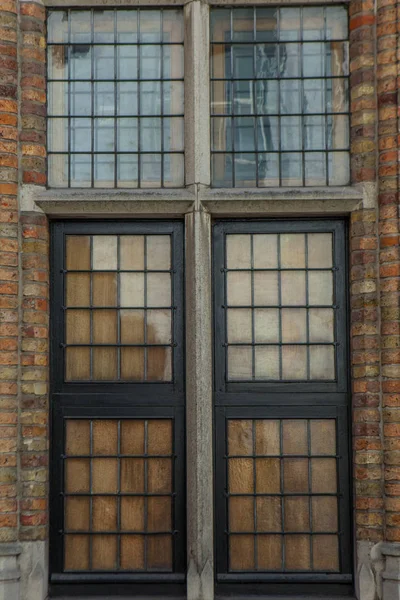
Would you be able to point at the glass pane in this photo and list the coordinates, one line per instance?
(78, 252)
(294, 362)
(77, 513)
(104, 326)
(266, 288)
(269, 513)
(240, 436)
(238, 288)
(77, 437)
(267, 437)
(297, 552)
(241, 514)
(323, 436)
(76, 552)
(266, 325)
(321, 324)
(295, 475)
(132, 552)
(324, 513)
(132, 252)
(77, 324)
(294, 325)
(293, 288)
(239, 326)
(241, 552)
(319, 250)
(105, 364)
(292, 247)
(265, 251)
(294, 437)
(78, 289)
(158, 289)
(132, 289)
(297, 513)
(104, 513)
(240, 475)
(159, 364)
(104, 289)
(238, 251)
(239, 362)
(132, 436)
(220, 25)
(104, 552)
(158, 252)
(322, 362)
(323, 475)
(320, 286)
(326, 553)
(269, 552)
(105, 437)
(267, 362)
(268, 475)
(104, 252)
(132, 513)
(159, 327)
(77, 364)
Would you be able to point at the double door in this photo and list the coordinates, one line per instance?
(282, 509)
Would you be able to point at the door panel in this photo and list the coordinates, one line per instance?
(282, 438)
(117, 404)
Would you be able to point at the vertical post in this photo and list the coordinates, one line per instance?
(197, 94)
(200, 576)
(199, 401)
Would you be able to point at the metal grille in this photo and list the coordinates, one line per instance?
(115, 98)
(282, 497)
(118, 495)
(280, 307)
(118, 311)
(279, 97)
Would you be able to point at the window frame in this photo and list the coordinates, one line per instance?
(151, 392)
(233, 391)
(119, 400)
(232, 115)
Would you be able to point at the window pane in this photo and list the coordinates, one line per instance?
(125, 63)
(285, 64)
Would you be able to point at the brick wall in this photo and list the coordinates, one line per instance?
(23, 277)
(387, 74)
(364, 282)
(9, 261)
(34, 408)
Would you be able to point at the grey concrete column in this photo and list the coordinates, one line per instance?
(199, 403)
(391, 575)
(9, 571)
(197, 94)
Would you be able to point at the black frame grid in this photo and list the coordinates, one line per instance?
(233, 116)
(68, 47)
(115, 401)
(337, 229)
(172, 228)
(273, 400)
(92, 308)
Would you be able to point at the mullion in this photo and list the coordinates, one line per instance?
(118, 309)
(278, 243)
(310, 514)
(91, 497)
(307, 309)
(145, 496)
(118, 498)
(145, 354)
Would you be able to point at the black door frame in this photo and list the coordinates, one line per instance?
(117, 400)
(306, 399)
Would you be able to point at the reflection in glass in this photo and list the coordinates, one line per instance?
(290, 61)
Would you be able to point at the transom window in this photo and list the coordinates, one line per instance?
(279, 97)
(115, 98)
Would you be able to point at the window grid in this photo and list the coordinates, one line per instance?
(124, 450)
(158, 351)
(262, 470)
(322, 309)
(267, 162)
(136, 156)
